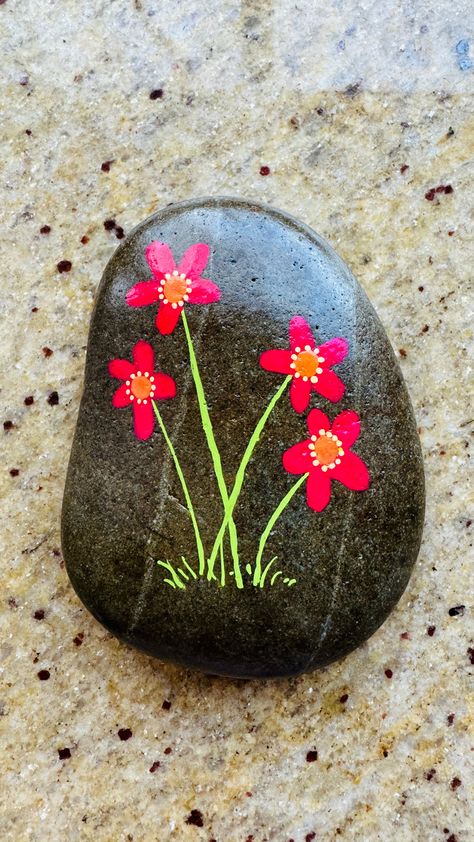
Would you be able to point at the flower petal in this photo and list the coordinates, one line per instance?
(121, 369)
(143, 420)
(334, 351)
(120, 398)
(160, 258)
(204, 291)
(278, 361)
(297, 460)
(317, 421)
(318, 490)
(143, 293)
(352, 472)
(165, 386)
(330, 386)
(300, 391)
(346, 426)
(167, 318)
(300, 333)
(194, 260)
(143, 356)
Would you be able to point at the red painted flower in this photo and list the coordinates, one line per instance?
(309, 365)
(142, 386)
(326, 456)
(172, 286)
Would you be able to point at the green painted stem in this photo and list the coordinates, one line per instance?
(187, 496)
(271, 523)
(216, 458)
(240, 475)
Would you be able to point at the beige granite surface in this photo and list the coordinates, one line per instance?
(358, 109)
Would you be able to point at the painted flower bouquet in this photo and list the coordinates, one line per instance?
(323, 456)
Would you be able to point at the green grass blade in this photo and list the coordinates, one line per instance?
(222, 566)
(215, 455)
(187, 496)
(271, 523)
(189, 567)
(240, 475)
(170, 568)
(267, 568)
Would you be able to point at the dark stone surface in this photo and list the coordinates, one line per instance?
(123, 505)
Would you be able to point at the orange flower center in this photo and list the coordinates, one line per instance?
(174, 289)
(141, 387)
(306, 363)
(325, 450)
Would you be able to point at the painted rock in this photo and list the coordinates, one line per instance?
(245, 491)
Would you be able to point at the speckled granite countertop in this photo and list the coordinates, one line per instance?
(348, 115)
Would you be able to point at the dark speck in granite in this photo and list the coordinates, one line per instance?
(195, 818)
(53, 398)
(124, 734)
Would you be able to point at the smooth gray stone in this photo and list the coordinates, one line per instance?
(123, 504)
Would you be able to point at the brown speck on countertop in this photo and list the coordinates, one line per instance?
(195, 818)
(457, 610)
(311, 756)
(43, 675)
(124, 733)
(64, 266)
(64, 753)
(47, 352)
(53, 398)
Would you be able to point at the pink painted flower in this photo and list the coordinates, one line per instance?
(142, 386)
(309, 365)
(173, 286)
(326, 456)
